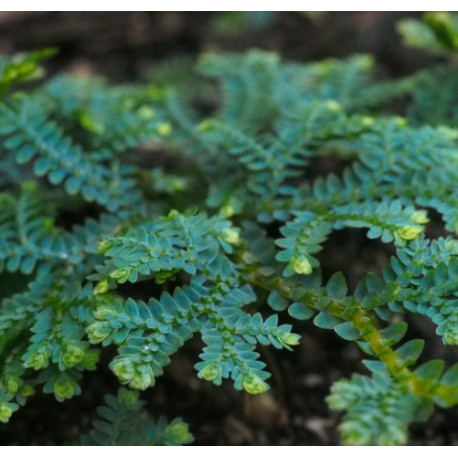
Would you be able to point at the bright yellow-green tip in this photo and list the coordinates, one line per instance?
(409, 232)
(255, 385)
(231, 236)
(301, 266)
(210, 372)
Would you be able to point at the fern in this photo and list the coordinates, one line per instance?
(378, 410)
(124, 421)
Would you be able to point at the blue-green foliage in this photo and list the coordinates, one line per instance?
(425, 275)
(434, 98)
(238, 222)
(212, 304)
(378, 410)
(124, 421)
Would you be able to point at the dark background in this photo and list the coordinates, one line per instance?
(123, 46)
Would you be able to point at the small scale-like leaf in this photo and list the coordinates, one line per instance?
(377, 367)
(394, 333)
(451, 376)
(347, 331)
(300, 311)
(431, 370)
(365, 347)
(337, 286)
(410, 351)
(326, 320)
(277, 302)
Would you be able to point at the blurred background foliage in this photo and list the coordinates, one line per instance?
(124, 45)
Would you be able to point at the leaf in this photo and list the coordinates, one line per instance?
(376, 366)
(431, 370)
(374, 232)
(410, 351)
(42, 166)
(337, 286)
(326, 320)
(451, 376)
(28, 265)
(365, 347)
(347, 331)
(25, 153)
(300, 311)
(374, 283)
(394, 333)
(277, 302)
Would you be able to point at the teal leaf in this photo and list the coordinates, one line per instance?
(394, 333)
(410, 351)
(337, 286)
(300, 311)
(326, 320)
(347, 331)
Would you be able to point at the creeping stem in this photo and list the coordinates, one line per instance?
(367, 325)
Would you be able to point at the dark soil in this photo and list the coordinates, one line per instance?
(294, 412)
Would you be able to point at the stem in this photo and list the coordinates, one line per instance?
(367, 325)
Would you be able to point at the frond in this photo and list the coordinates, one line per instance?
(124, 421)
(378, 410)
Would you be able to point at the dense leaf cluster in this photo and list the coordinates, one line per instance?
(237, 221)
